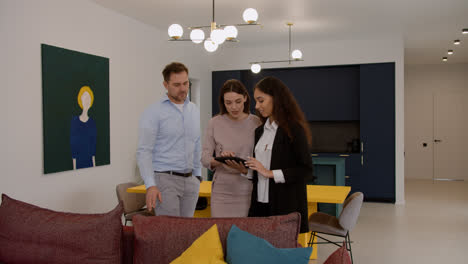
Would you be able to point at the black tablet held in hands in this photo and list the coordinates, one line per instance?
(237, 159)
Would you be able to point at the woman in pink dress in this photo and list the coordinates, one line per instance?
(230, 133)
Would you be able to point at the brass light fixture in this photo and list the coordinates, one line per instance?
(295, 55)
(218, 33)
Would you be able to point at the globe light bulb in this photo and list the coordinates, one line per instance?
(296, 54)
(175, 31)
(210, 45)
(250, 15)
(218, 36)
(256, 68)
(231, 32)
(197, 36)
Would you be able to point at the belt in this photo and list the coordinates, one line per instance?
(188, 174)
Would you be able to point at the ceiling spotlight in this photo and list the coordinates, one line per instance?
(175, 31)
(450, 52)
(250, 15)
(444, 58)
(465, 31)
(197, 36)
(255, 68)
(456, 42)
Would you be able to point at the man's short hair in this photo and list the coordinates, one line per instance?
(173, 67)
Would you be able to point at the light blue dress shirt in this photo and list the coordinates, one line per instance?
(169, 140)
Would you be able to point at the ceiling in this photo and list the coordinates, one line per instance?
(428, 27)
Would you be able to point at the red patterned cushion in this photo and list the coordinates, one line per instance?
(161, 239)
(340, 256)
(30, 234)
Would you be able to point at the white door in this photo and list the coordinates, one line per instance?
(451, 135)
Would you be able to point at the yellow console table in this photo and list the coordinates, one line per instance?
(315, 194)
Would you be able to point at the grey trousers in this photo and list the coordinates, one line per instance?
(179, 194)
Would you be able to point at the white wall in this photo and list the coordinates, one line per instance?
(137, 54)
(421, 82)
(372, 50)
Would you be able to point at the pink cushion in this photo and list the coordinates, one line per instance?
(340, 256)
(30, 234)
(161, 239)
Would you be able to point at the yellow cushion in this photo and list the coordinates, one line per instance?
(207, 249)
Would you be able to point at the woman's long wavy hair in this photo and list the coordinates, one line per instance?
(286, 112)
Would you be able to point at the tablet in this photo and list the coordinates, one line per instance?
(223, 159)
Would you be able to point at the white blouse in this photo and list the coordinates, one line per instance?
(263, 155)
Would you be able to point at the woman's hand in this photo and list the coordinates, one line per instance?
(227, 154)
(254, 164)
(214, 163)
(237, 166)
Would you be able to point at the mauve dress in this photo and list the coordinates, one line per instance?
(231, 192)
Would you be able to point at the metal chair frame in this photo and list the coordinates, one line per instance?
(346, 237)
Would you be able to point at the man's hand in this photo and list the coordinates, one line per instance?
(152, 194)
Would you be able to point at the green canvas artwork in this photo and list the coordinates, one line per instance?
(75, 102)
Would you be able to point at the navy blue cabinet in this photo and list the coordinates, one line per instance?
(324, 93)
(353, 172)
(377, 129)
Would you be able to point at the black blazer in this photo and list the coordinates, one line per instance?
(293, 158)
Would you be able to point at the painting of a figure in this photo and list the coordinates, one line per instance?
(76, 129)
(83, 132)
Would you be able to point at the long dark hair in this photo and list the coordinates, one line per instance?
(286, 112)
(235, 86)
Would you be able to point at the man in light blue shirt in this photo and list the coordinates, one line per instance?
(169, 149)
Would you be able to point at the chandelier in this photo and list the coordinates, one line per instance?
(295, 55)
(218, 33)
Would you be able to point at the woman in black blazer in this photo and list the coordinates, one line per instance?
(282, 163)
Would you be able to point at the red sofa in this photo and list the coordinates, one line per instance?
(30, 234)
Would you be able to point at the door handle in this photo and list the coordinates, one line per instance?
(437, 140)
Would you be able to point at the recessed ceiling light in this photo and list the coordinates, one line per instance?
(450, 52)
(444, 59)
(465, 31)
(456, 42)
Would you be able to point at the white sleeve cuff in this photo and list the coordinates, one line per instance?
(248, 175)
(278, 176)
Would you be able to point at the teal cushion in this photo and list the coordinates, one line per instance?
(244, 248)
